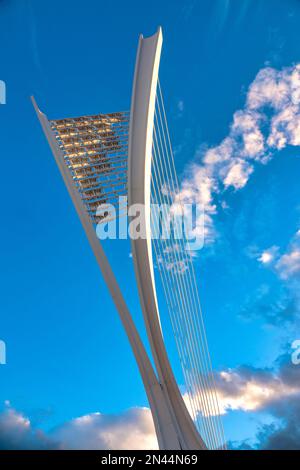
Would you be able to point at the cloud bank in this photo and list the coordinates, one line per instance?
(132, 429)
(253, 389)
(275, 391)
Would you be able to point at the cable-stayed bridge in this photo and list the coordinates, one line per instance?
(103, 158)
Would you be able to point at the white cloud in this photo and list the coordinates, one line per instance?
(288, 265)
(253, 143)
(132, 429)
(238, 175)
(266, 257)
(241, 390)
(16, 432)
(248, 389)
(253, 137)
(198, 188)
(269, 255)
(274, 391)
(269, 88)
(252, 389)
(285, 128)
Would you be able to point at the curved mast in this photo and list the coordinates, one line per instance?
(139, 185)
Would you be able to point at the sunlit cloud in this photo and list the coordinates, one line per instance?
(268, 256)
(132, 429)
(270, 390)
(250, 389)
(269, 122)
(288, 265)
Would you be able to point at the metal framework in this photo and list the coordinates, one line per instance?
(91, 153)
(95, 150)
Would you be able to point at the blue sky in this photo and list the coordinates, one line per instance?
(67, 354)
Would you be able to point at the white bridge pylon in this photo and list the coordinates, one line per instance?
(139, 184)
(175, 429)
